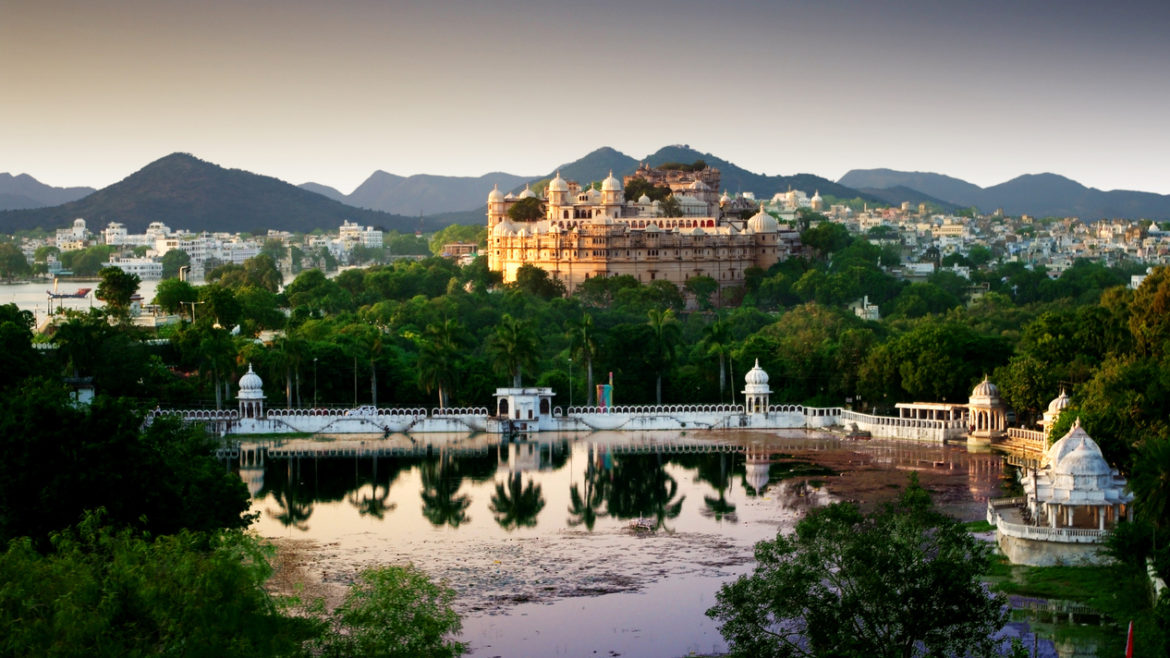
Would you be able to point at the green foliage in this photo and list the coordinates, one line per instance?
(86, 262)
(396, 611)
(536, 281)
(702, 287)
(116, 288)
(13, 264)
(173, 295)
(528, 209)
(513, 348)
(826, 237)
(161, 479)
(903, 581)
(637, 187)
(259, 272)
(476, 233)
(102, 592)
(697, 165)
(172, 261)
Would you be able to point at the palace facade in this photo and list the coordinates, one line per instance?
(586, 233)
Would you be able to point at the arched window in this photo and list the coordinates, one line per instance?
(503, 408)
(544, 406)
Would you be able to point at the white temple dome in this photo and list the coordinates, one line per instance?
(985, 389)
(1083, 461)
(558, 184)
(527, 193)
(495, 195)
(644, 199)
(251, 386)
(1067, 443)
(611, 184)
(698, 185)
(762, 222)
(1059, 403)
(756, 376)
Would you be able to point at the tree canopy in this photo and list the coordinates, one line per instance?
(903, 581)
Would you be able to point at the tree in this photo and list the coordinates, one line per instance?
(12, 262)
(717, 341)
(536, 281)
(513, 347)
(702, 287)
(665, 336)
(1150, 481)
(116, 288)
(583, 347)
(516, 505)
(109, 592)
(904, 581)
(670, 207)
(172, 295)
(526, 210)
(440, 348)
(172, 261)
(396, 612)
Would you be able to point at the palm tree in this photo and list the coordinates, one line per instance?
(584, 347)
(374, 503)
(717, 341)
(517, 506)
(513, 347)
(641, 488)
(438, 358)
(664, 339)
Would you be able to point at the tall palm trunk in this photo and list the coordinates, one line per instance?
(288, 386)
(722, 377)
(373, 384)
(658, 389)
(589, 379)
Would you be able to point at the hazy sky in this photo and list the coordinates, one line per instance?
(331, 91)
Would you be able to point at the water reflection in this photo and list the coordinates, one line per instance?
(515, 505)
(442, 504)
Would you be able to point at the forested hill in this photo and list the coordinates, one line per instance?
(188, 193)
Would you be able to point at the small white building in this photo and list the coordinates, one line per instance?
(986, 413)
(145, 268)
(524, 409)
(756, 392)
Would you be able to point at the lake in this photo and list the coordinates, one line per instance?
(536, 536)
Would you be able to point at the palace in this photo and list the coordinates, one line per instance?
(588, 233)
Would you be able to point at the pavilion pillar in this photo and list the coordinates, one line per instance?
(1100, 518)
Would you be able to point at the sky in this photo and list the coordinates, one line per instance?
(329, 92)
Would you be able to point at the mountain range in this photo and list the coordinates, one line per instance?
(24, 191)
(1041, 195)
(421, 194)
(187, 193)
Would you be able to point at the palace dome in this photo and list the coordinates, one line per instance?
(527, 193)
(1067, 443)
(251, 386)
(611, 184)
(558, 184)
(698, 185)
(725, 198)
(653, 228)
(503, 229)
(495, 195)
(985, 389)
(643, 199)
(762, 222)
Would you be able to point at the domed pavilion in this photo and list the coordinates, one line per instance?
(756, 392)
(987, 413)
(1070, 503)
(251, 395)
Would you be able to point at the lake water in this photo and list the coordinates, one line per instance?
(536, 537)
(32, 296)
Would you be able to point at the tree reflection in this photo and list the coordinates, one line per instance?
(374, 502)
(585, 510)
(295, 502)
(516, 505)
(641, 488)
(442, 503)
(715, 470)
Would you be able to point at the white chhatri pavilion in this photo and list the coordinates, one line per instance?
(1070, 504)
(756, 392)
(1075, 487)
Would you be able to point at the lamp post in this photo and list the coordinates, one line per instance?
(192, 304)
(570, 382)
(314, 382)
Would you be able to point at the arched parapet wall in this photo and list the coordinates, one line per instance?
(893, 427)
